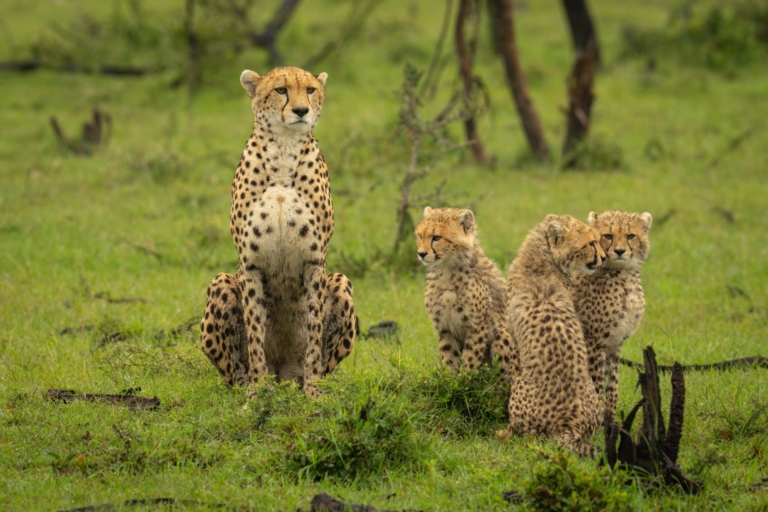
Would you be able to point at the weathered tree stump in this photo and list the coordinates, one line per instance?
(655, 451)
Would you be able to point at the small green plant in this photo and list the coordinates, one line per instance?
(372, 437)
(557, 483)
(464, 404)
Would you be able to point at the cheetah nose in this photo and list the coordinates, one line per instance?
(421, 254)
(300, 111)
(602, 258)
(619, 252)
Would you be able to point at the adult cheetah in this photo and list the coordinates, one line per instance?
(610, 302)
(552, 394)
(465, 294)
(280, 314)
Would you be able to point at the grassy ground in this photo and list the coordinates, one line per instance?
(147, 218)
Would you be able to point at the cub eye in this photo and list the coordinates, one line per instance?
(608, 237)
(630, 237)
(592, 243)
(281, 90)
(436, 238)
(310, 90)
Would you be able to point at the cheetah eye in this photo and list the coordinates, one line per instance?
(281, 90)
(630, 237)
(592, 244)
(608, 237)
(310, 90)
(436, 238)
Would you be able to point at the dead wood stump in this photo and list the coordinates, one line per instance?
(655, 451)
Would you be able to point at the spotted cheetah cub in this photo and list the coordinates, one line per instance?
(610, 302)
(465, 291)
(281, 314)
(552, 394)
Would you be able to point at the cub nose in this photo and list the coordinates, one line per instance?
(421, 254)
(300, 111)
(619, 252)
(602, 258)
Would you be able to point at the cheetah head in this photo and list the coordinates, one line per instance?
(623, 237)
(285, 101)
(574, 246)
(444, 234)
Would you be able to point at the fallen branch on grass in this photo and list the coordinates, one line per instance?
(742, 363)
(132, 402)
(154, 503)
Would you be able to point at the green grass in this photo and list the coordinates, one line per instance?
(146, 217)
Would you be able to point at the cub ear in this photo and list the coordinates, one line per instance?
(249, 80)
(555, 231)
(322, 77)
(646, 219)
(592, 218)
(428, 210)
(467, 219)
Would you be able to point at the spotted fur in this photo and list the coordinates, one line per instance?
(465, 292)
(610, 302)
(552, 395)
(280, 314)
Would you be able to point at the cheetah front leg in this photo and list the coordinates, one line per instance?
(504, 347)
(475, 347)
(223, 332)
(315, 283)
(596, 361)
(612, 384)
(340, 325)
(251, 284)
(449, 350)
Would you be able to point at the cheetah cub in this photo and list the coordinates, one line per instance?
(465, 291)
(280, 314)
(552, 394)
(610, 302)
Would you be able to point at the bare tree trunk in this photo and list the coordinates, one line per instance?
(193, 47)
(466, 55)
(582, 29)
(580, 98)
(505, 31)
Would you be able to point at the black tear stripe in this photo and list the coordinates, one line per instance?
(287, 100)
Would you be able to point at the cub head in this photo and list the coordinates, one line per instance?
(623, 237)
(286, 100)
(444, 234)
(574, 245)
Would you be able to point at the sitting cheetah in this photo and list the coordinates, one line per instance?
(280, 314)
(552, 394)
(610, 302)
(465, 291)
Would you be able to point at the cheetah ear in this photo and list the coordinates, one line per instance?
(322, 77)
(249, 80)
(646, 219)
(467, 220)
(592, 218)
(555, 232)
(427, 211)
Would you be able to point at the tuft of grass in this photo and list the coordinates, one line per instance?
(740, 421)
(464, 404)
(556, 482)
(595, 154)
(373, 436)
